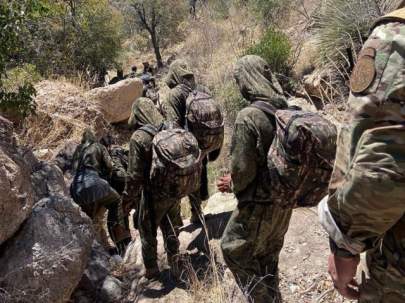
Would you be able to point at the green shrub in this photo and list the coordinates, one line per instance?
(15, 100)
(275, 48)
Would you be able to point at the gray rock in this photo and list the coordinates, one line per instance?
(46, 258)
(48, 181)
(112, 290)
(16, 191)
(97, 284)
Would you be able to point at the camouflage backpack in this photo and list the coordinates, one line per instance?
(205, 120)
(301, 156)
(176, 163)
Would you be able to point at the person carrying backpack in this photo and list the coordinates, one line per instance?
(91, 189)
(164, 165)
(254, 236)
(183, 108)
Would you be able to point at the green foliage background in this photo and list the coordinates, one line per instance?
(275, 48)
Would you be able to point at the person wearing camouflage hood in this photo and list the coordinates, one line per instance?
(181, 82)
(365, 209)
(90, 188)
(254, 236)
(152, 211)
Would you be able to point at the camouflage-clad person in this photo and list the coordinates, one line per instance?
(90, 188)
(255, 233)
(365, 208)
(181, 82)
(153, 211)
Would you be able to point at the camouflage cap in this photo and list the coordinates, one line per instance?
(257, 83)
(144, 112)
(180, 73)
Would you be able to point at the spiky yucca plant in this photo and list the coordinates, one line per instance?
(342, 26)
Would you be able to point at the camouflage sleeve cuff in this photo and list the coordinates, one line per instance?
(341, 240)
(340, 252)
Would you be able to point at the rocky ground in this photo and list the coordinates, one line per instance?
(303, 262)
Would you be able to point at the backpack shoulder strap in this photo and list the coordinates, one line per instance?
(149, 129)
(265, 107)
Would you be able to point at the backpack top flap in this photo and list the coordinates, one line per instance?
(306, 137)
(176, 148)
(203, 112)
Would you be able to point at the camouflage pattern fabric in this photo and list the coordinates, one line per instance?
(152, 212)
(367, 189)
(176, 164)
(205, 120)
(254, 235)
(301, 158)
(180, 73)
(89, 188)
(251, 247)
(181, 81)
(143, 112)
(257, 83)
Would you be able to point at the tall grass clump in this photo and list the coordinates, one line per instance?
(342, 26)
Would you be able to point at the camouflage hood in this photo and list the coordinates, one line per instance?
(180, 73)
(88, 137)
(257, 83)
(144, 112)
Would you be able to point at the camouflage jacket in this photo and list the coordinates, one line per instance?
(93, 156)
(139, 161)
(252, 137)
(367, 189)
(175, 105)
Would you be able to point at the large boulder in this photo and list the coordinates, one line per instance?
(16, 191)
(115, 101)
(46, 258)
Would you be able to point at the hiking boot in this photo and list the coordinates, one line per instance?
(177, 266)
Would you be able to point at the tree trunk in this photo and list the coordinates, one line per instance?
(156, 48)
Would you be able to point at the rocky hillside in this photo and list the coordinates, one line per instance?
(48, 251)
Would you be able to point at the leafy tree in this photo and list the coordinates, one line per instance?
(13, 14)
(160, 18)
(74, 36)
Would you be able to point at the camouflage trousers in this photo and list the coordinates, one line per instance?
(154, 213)
(386, 283)
(251, 247)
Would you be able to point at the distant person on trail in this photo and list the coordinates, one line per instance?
(365, 209)
(90, 188)
(133, 73)
(181, 82)
(193, 4)
(147, 69)
(151, 91)
(118, 78)
(152, 210)
(254, 236)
